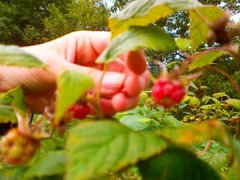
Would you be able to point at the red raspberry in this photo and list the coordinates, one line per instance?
(167, 92)
(79, 111)
(18, 148)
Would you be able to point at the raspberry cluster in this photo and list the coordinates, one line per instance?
(79, 110)
(168, 92)
(18, 148)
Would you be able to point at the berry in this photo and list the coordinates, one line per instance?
(168, 92)
(136, 62)
(79, 110)
(18, 148)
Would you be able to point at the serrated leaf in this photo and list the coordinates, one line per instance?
(14, 56)
(136, 38)
(52, 163)
(135, 122)
(71, 86)
(204, 58)
(190, 134)
(46, 145)
(7, 114)
(199, 30)
(95, 148)
(234, 102)
(16, 96)
(177, 163)
(216, 160)
(10, 103)
(145, 12)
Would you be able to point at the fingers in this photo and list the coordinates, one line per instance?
(122, 102)
(136, 62)
(134, 84)
(90, 44)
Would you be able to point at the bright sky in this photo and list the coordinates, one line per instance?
(236, 17)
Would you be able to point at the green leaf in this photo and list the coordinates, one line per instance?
(233, 172)
(194, 101)
(171, 121)
(199, 30)
(13, 173)
(10, 103)
(7, 114)
(136, 38)
(135, 122)
(95, 148)
(216, 160)
(52, 163)
(46, 145)
(177, 163)
(14, 56)
(220, 95)
(71, 86)
(145, 12)
(204, 58)
(190, 134)
(234, 102)
(183, 43)
(16, 96)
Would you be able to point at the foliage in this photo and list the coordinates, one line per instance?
(37, 21)
(188, 141)
(78, 15)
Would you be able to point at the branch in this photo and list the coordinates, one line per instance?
(229, 77)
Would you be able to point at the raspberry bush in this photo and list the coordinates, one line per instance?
(150, 141)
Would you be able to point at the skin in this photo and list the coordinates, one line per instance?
(77, 51)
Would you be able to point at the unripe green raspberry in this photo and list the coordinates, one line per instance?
(18, 148)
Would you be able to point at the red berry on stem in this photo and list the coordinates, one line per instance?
(79, 111)
(168, 92)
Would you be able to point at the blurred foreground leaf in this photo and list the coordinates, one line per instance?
(145, 12)
(52, 163)
(177, 163)
(189, 134)
(71, 86)
(96, 148)
(199, 30)
(14, 56)
(136, 38)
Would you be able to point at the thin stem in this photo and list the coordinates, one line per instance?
(23, 122)
(206, 148)
(152, 78)
(161, 66)
(99, 111)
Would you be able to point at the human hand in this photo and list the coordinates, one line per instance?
(77, 51)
